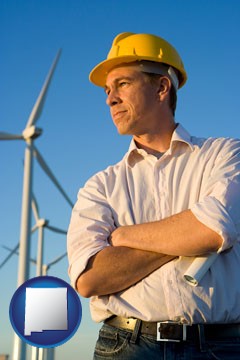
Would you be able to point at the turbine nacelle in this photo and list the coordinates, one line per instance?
(42, 223)
(31, 132)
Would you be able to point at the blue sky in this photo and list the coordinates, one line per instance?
(78, 137)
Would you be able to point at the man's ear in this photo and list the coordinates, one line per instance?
(164, 86)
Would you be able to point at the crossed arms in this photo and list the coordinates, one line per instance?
(138, 250)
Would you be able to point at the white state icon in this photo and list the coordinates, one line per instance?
(45, 309)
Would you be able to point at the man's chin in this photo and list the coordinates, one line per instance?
(124, 132)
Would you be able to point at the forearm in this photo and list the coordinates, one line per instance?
(180, 234)
(116, 268)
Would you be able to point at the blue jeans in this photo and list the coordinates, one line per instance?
(117, 344)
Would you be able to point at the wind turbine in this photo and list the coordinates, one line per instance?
(29, 134)
(40, 225)
(45, 267)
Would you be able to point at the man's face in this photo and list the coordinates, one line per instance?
(133, 101)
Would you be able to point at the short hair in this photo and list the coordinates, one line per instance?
(172, 94)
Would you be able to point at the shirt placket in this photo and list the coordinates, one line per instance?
(168, 278)
(161, 189)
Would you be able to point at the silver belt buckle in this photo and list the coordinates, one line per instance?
(184, 331)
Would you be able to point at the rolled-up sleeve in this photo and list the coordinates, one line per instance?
(90, 226)
(219, 205)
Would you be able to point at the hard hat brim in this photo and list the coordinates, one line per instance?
(99, 73)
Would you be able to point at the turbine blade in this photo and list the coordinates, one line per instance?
(35, 208)
(8, 248)
(55, 229)
(37, 109)
(17, 253)
(34, 228)
(13, 251)
(47, 170)
(7, 136)
(56, 260)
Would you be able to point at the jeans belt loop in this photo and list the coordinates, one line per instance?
(136, 331)
(201, 337)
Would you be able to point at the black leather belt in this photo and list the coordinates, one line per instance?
(171, 331)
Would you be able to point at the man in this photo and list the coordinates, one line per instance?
(138, 225)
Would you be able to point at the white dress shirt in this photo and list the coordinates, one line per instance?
(195, 173)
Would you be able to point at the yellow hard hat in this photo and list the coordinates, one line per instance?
(129, 47)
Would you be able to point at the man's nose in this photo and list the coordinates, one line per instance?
(113, 98)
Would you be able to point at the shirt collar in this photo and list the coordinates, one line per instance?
(180, 135)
